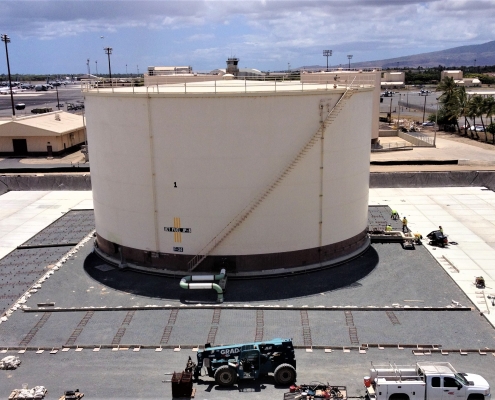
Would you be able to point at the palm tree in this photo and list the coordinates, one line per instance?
(448, 87)
(475, 110)
(479, 110)
(489, 109)
(463, 101)
(449, 99)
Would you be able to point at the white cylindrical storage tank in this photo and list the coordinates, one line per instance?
(247, 176)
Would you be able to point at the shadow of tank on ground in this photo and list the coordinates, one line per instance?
(330, 279)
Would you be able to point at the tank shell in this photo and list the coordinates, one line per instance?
(170, 171)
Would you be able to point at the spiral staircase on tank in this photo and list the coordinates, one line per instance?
(246, 211)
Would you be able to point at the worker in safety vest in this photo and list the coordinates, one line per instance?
(388, 228)
(404, 224)
(395, 214)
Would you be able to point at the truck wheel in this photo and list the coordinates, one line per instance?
(476, 397)
(225, 376)
(399, 396)
(285, 374)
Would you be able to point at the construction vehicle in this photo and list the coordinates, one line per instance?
(424, 380)
(437, 238)
(248, 361)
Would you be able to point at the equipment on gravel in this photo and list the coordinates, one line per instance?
(248, 361)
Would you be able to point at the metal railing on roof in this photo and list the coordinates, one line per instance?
(234, 86)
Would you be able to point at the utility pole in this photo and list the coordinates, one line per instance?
(6, 39)
(108, 51)
(424, 108)
(398, 118)
(390, 113)
(327, 53)
(349, 56)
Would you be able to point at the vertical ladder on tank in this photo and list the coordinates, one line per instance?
(246, 211)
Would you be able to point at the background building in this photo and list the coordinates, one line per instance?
(52, 133)
(168, 70)
(460, 80)
(393, 80)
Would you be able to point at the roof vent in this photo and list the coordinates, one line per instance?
(57, 117)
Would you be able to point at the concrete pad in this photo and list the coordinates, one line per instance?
(28, 212)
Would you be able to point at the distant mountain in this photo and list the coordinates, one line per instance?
(454, 57)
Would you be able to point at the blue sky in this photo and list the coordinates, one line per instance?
(57, 37)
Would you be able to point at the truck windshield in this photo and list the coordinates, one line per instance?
(461, 379)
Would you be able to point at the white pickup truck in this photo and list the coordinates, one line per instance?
(425, 380)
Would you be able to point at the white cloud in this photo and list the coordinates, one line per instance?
(259, 30)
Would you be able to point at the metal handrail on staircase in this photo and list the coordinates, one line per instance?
(246, 211)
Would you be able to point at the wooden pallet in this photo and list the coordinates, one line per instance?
(14, 395)
(79, 395)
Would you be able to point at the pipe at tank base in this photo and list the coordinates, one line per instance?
(217, 277)
(185, 285)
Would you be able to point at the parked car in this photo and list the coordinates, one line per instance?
(477, 128)
(429, 123)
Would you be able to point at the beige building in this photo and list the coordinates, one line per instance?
(459, 78)
(169, 70)
(393, 80)
(52, 133)
(456, 74)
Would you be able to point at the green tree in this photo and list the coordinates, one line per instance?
(448, 88)
(450, 103)
(471, 113)
(489, 109)
(463, 100)
(476, 110)
(491, 128)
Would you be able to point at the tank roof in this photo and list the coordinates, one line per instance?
(233, 86)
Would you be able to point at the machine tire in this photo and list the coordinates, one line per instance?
(285, 374)
(225, 376)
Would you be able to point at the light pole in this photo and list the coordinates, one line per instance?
(138, 69)
(424, 108)
(126, 70)
(108, 51)
(436, 127)
(390, 113)
(89, 70)
(96, 62)
(58, 101)
(6, 39)
(349, 57)
(327, 53)
(398, 118)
